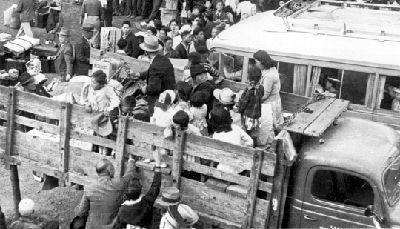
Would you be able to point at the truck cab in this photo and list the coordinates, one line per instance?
(338, 178)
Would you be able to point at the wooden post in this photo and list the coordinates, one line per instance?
(341, 84)
(258, 158)
(120, 145)
(177, 157)
(308, 81)
(64, 145)
(9, 152)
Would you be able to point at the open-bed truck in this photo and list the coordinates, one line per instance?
(321, 171)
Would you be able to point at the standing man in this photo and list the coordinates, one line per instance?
(108, 13)
(101, 200)
(182, 50)
(91, 13)
(132, 48)
(82, 59)
(160, 76)
(155, 9)
(27, 13)
(63, 59)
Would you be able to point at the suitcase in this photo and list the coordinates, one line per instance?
(19, 64)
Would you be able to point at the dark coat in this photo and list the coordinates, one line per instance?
(160, 76)
(101, 200)
(208, 87)
(54, 21)
(108, 13)
(133, 49)
(26, 9)
(141, 213)
(181, 52)
(82, 57)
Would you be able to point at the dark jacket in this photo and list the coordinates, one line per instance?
(101, 200)
(133, 49)
(250, 102)
(141, 213)
(26, 9)
(54, 21)
(181, 52)
(82, 57)
(160, 76)
(208, 87)
(108, 13)
(222, 16)
(64, 61)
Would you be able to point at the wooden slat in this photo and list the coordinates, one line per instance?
(146, 132)
(120, 144)
(38, 105)
(234, 178)
(80, 118)
(303, 119)
(253, 187)
(177, 157)
(330, 114)
(3, 95)
(64, 144)
(234, 155)
(96, 140)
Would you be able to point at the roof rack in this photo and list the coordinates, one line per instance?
(340, 27)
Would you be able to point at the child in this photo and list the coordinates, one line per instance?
(183, 90)
(122, 44)
(198, 109)
(162, 117)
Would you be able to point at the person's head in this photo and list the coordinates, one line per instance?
(199, 98)
(157, 24)
(163, 33)
(281, 3)
(220, 120)
(168, 44)
(215, 31)
(99, 80)
(219, 5)
(263, 60)
(172, 24)
(194, 58)
(184, 90)
(127, 104)
(166, 99)
(198, 34)
(134, 190)
(26, 207)
(186, 36)
(63, 35)
(126, 27)
(151, 31)
(105, 168)
(87, 30)
(27, 81)
(195, 11)
(122, 44)
(150, 45)
(181, 120)
(208, 4)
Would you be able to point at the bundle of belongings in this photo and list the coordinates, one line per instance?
(21, 44)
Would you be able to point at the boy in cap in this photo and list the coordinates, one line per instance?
(63, 58)
(177, 215)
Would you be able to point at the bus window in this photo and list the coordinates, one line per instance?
(391, 95)
(286, 75)
(329, 82)
(354, 87)
(232, 66)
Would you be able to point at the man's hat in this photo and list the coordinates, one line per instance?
(102, 125)
(25, 79)
(189, 216)
(170, 196)
(64, 32)
(55, 6)
(150, 44)
(26, 207)
(225, 96)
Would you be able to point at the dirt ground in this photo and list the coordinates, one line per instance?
(59, 203)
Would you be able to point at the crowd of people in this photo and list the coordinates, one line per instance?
(196, 104)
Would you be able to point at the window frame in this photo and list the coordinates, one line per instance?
(311, 173)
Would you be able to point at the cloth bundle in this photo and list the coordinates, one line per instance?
(21, 44)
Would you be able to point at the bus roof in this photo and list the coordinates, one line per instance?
(264, 31)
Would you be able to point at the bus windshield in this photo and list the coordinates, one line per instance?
(391, 182)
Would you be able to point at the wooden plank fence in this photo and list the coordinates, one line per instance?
(57, 146)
